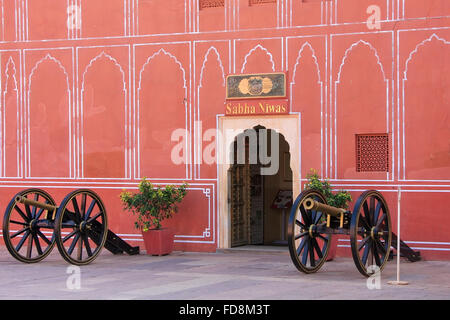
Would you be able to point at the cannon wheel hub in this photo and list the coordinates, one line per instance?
(32, 224)
(311, 230)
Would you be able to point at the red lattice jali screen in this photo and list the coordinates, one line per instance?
(253, 2)
(372, 152)
(211, 4)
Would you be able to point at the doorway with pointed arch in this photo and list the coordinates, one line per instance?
(286, 128)
(259, 187)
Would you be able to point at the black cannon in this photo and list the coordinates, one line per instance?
(312, 223)
(78, 226)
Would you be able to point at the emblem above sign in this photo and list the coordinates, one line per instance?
(256, 86)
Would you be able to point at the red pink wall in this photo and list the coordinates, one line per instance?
(91, 91)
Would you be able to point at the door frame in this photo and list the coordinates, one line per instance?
(287, 125)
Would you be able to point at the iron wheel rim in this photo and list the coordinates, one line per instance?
(81, 220)
(370, 233)
(25, 218)
(301, 240)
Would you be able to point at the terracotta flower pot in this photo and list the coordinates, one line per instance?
(158, 242)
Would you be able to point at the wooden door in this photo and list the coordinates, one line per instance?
(240, 203)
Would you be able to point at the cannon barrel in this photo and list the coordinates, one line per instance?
(311, 204)
(37, 204)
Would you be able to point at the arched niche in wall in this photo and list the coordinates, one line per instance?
(306, 98)
(104, 101)
(10, 155)
(426, 108)
(258, 60)
(162, 114)
(211, 95)
(361, 106)
(49, 143)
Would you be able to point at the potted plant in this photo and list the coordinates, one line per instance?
(151, 205)
(340, 199)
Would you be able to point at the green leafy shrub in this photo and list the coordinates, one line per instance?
(340, 199)
(153, 205)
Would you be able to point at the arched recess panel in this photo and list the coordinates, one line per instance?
(162, 112)
(258, 60)
(427, 111)
(361, 107)
(47, 19)
(211, 96)
(102, 18)
(10, 119)
(48, 126)
(104, 100)
(162, 16)
(306, 92)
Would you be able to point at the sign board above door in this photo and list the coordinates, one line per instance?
(256, 86)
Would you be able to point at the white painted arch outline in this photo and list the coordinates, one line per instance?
(210, 50)
(48, 57)
(338, 81)
(418, 47)
(10, 65)
(103, 54)
(299, 57)
(319, 81)
(187, 156)
(197, 138)
(353, 46)
(260, 47)
(411, 56)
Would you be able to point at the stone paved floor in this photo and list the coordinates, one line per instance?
(224, 275)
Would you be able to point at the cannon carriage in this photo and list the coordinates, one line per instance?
(312, 223)
(33, 224)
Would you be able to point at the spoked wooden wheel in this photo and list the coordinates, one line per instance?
(370, 233)
(308, 248)
(27, 230)
(81, 227)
